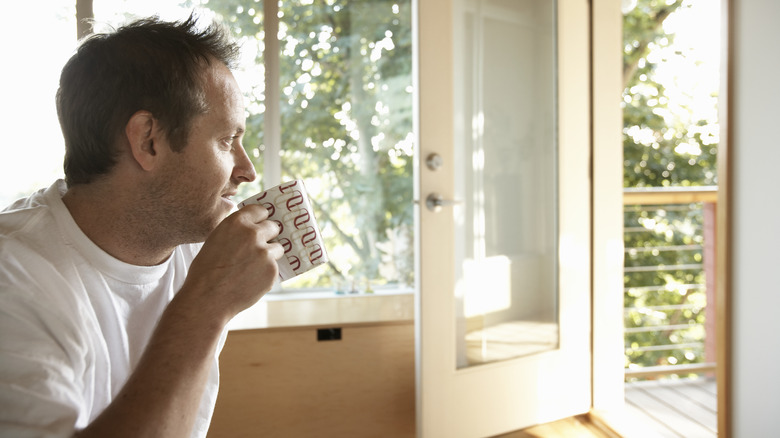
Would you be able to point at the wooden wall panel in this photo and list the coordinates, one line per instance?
(286, 383)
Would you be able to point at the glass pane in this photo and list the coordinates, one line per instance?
(506, 163)
(346, 117)
(32, 149)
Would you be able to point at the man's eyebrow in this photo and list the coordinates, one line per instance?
(240, 130)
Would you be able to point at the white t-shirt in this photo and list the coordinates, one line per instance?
(74, 320)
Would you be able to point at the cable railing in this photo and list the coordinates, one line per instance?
(669, 288)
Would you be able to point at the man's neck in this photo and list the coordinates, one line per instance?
(117, 223)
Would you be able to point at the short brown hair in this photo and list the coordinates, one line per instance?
(148, 64)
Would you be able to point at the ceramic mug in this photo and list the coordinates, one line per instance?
(288, 205)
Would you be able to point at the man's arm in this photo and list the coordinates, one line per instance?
(233, 270)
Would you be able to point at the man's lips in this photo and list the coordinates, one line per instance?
(229, 197)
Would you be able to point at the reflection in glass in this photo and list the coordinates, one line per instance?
(506, 161)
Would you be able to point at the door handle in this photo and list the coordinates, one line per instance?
(435, 202)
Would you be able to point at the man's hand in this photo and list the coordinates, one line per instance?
(237, 265)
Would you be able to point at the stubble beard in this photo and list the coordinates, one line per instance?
(175, 214)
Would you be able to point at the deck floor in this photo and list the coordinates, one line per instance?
(684, 408)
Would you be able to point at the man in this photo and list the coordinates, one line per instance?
(112, 314)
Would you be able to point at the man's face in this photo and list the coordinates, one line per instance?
(197, 183)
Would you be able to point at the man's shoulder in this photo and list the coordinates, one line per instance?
(28, 226)
(28, 243)
(24, 214)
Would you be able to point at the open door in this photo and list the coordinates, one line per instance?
(503, 310)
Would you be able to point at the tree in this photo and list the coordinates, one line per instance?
(666, 143)
(345, 77)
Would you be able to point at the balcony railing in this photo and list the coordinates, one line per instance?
(669, 277)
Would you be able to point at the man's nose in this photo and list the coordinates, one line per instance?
(244, 170)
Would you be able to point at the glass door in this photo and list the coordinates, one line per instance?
(506, 175)
(504, 302)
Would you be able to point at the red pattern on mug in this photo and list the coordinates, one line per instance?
(286, 186)
(286, 244)
(289, 207)
(261, 197)
(316, 252)
(270, 207)
(298, 218)
(306, 236)
(295, 200)
(295, 262)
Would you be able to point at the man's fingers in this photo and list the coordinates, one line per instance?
(255, 217)
(276, 250)
(255, 213)
(269, 229)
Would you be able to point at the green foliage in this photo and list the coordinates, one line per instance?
(665, 144)
(665, 294)
(346, 118)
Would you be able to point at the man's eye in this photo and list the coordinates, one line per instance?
(228, 142)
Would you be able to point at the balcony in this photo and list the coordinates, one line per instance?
(669, 310)
(678, 408)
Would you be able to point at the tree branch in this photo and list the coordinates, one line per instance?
(630, 67)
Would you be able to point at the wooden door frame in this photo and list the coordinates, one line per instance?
(723, 232)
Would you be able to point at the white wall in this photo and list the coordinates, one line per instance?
(756, 218)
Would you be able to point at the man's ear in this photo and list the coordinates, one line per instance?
(142, 131)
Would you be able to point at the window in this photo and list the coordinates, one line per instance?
(338, 115)
(32, 147)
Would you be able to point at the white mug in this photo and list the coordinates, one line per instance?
(289, 206)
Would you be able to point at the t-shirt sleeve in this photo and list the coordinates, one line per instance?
(40, 363)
